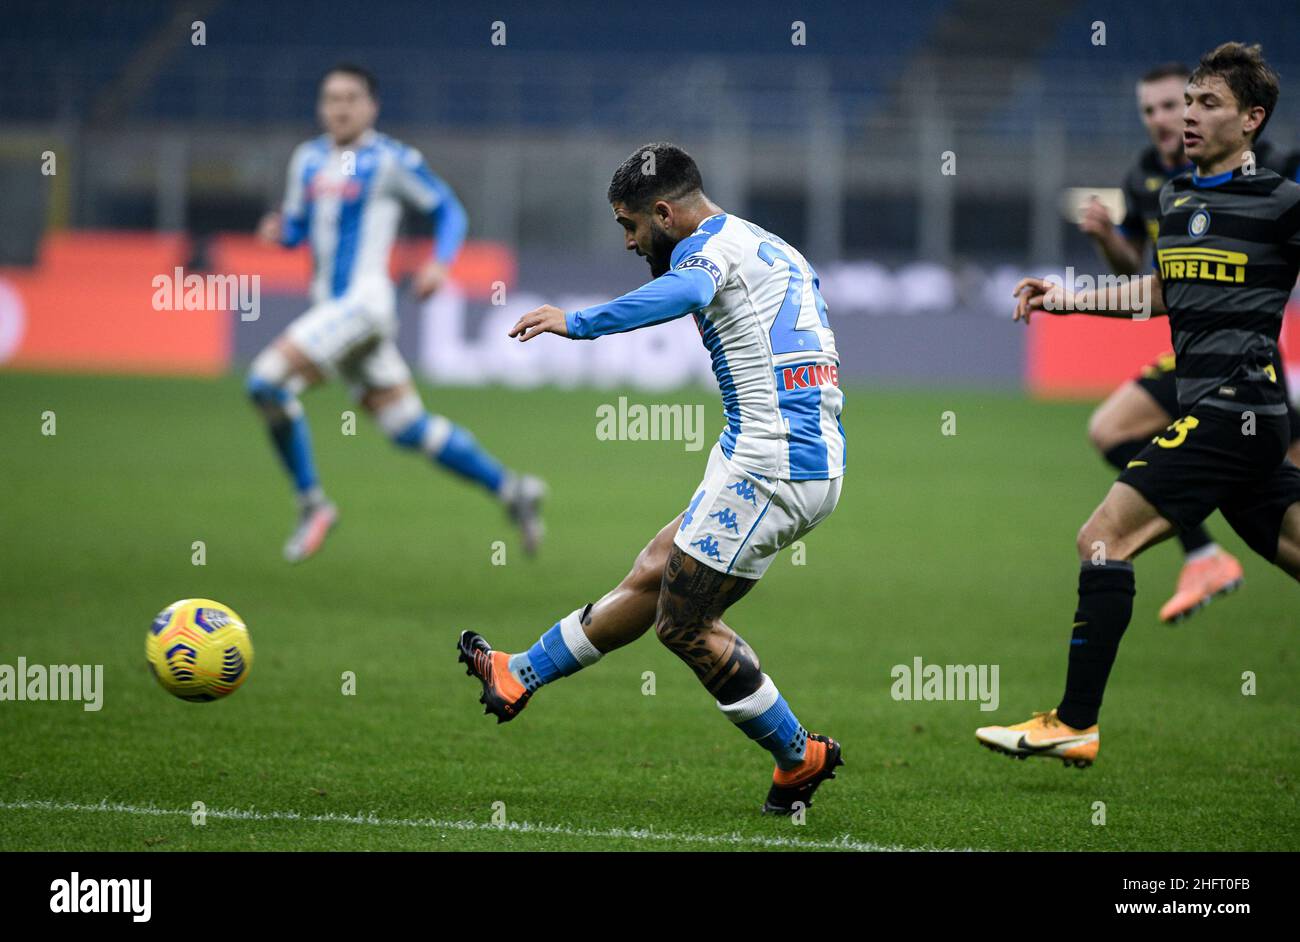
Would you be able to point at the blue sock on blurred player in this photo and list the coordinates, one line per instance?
(289, 433)
(563, 650)
(463, 454)
(766, 718)
(293, 442)
(453, 447)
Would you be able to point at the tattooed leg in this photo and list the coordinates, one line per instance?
(689, 621)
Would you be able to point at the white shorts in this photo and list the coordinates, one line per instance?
(738, 521)
(354, 337)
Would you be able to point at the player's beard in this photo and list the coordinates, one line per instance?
(661, 252)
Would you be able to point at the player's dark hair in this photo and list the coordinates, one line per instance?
(357, 71)
(1243, 69)
(654, 172)
(1166, 70)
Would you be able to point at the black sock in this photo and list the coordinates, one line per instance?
(1194, 538)
(1119, 456)
(1105, 606)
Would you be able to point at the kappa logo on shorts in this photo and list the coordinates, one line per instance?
(709, 547)
(744, 490)
(727, 518)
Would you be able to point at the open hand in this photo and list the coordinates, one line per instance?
(546, 319)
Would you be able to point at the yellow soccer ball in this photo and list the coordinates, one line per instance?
(199, 650)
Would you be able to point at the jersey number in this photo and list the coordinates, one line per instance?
(1180, 430)
(784, 336)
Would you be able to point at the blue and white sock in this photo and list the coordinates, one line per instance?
(289, 432)
(409, 425)
(766, 718)
(563, 650)
(462, 454)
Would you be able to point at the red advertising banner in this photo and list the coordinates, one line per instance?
(1083, 356)
(122, 302)
(89, 305)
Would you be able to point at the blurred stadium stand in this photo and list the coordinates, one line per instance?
(835, 144)
(825, 142)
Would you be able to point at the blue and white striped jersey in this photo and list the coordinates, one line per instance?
(760, 313)
(773, 351)
(347, 202)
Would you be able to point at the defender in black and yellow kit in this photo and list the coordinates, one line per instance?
(1125, 421)
(1145, 210)
(1228, 254)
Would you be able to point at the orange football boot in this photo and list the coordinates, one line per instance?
(820, 760)
(503, 696)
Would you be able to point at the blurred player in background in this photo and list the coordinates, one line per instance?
(1138, 410)
(773, 476)
(345, 194)
(1229, 251)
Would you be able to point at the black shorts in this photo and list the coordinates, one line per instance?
(1157, 378)
(1207, 460)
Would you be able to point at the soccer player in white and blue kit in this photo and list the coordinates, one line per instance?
(774, 474)
(345, 196)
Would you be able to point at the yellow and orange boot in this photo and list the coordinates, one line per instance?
(1044, 735)
(1200, 582)
(503, 696)
(820, 760)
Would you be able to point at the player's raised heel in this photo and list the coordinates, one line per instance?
(1045, 736)
(1200, 582)
(503, 696)
(821, 760)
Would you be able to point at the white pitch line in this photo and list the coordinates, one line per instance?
(844, 842)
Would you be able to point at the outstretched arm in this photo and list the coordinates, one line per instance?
(667, 297)
(1138, 298)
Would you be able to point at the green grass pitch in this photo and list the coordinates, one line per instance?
(956, 549)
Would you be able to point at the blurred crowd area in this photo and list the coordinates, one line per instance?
(828, 120)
